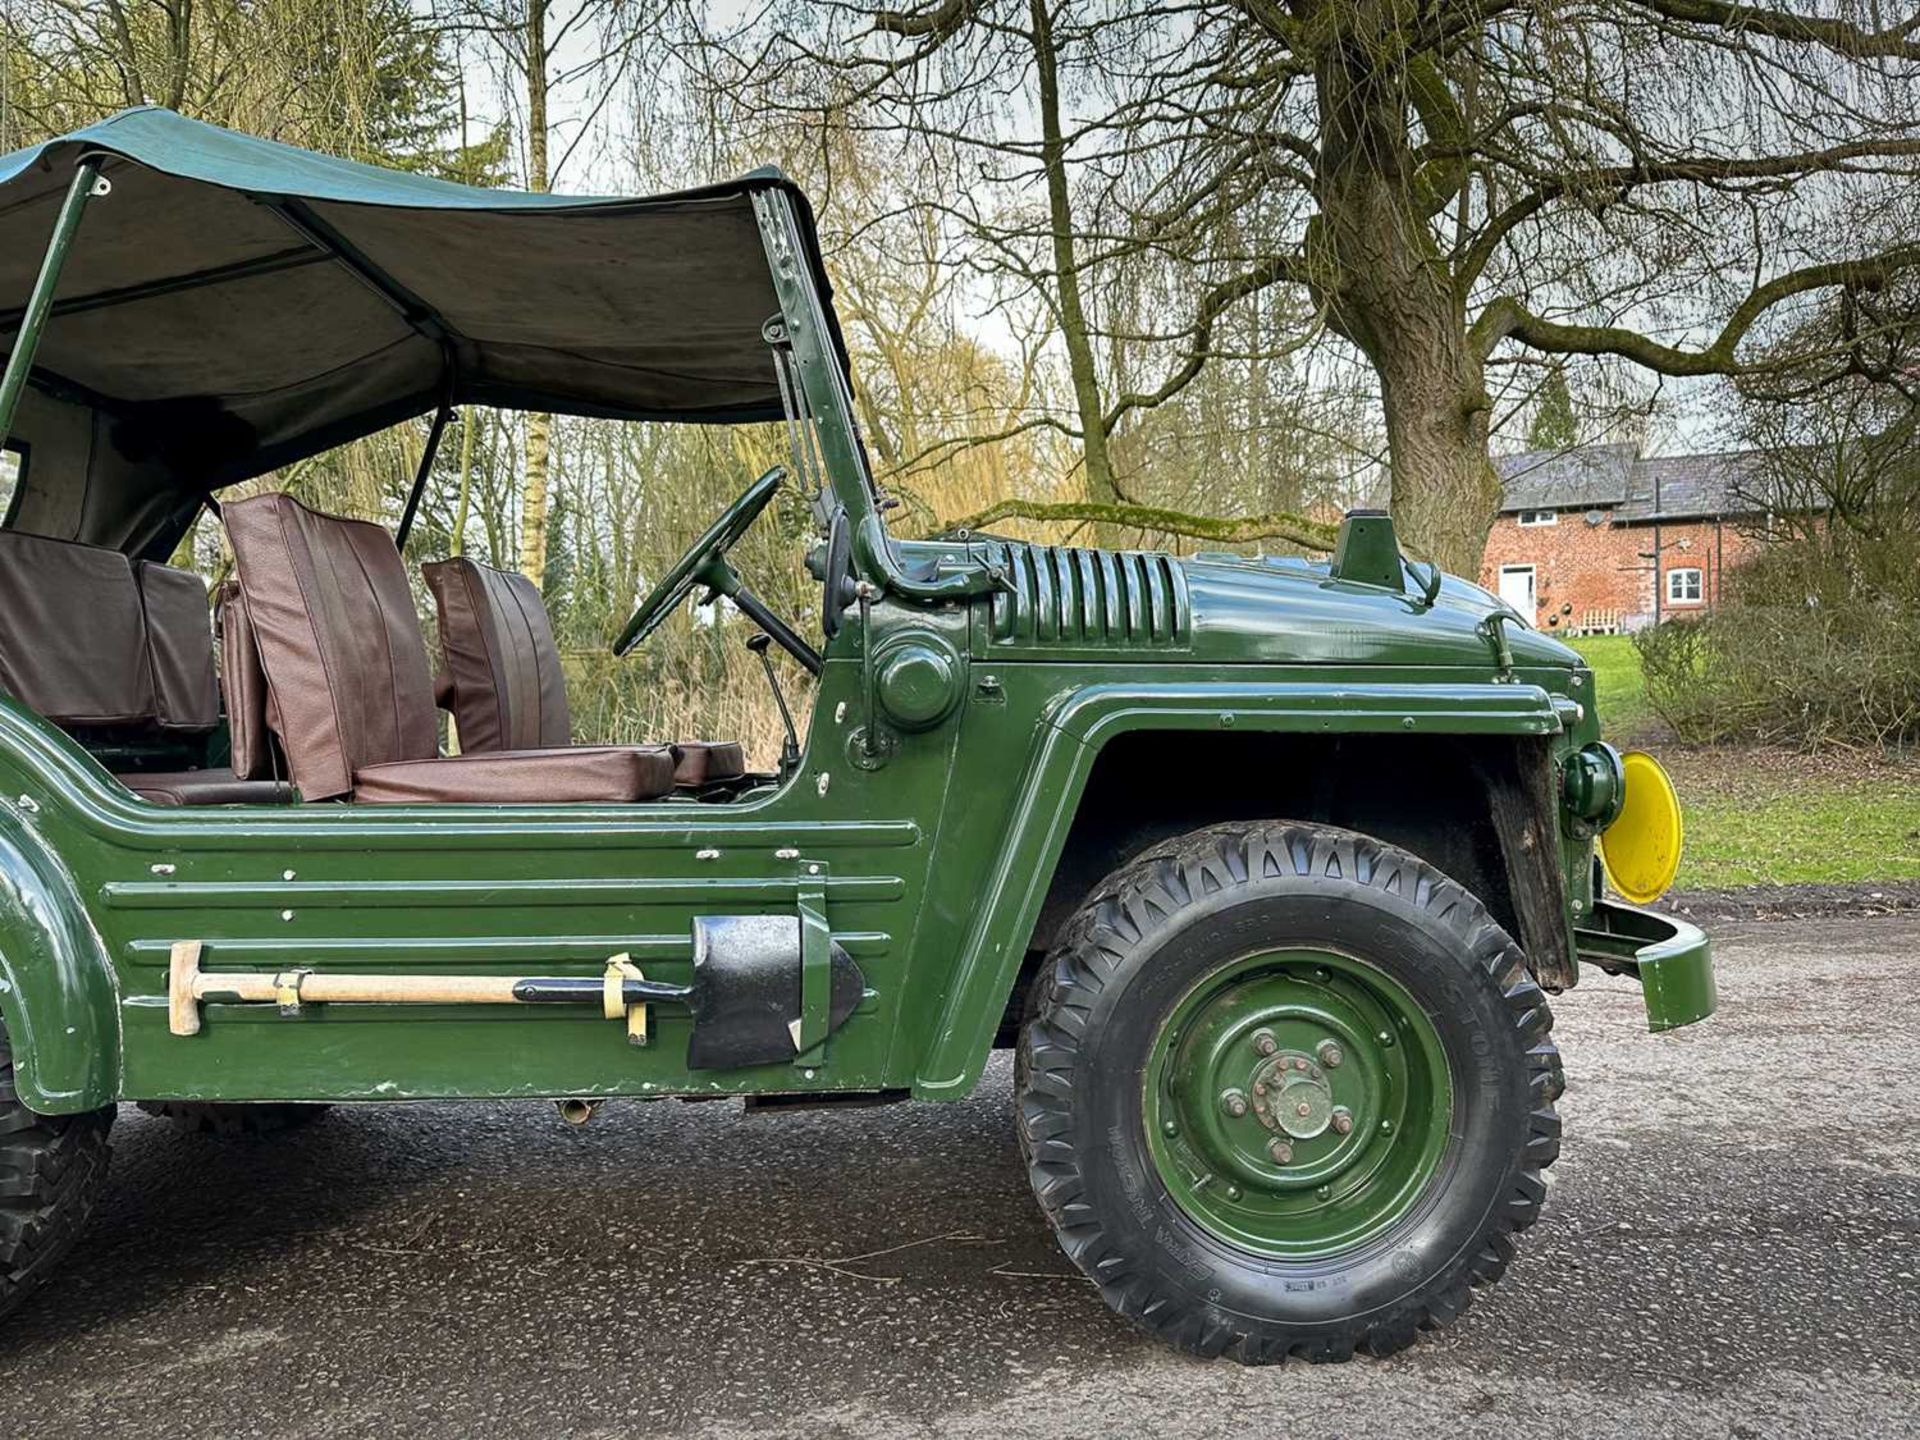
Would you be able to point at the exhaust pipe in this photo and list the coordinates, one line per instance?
(576, 1112)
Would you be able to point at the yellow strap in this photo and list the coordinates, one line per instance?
(613, 1001)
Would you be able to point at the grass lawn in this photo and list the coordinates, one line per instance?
(1762, 816)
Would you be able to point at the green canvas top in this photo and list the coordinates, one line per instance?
(234, 304)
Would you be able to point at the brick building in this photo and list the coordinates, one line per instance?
(1575, 544)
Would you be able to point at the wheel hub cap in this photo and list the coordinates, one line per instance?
(1297, 1103)
(1291, 1095)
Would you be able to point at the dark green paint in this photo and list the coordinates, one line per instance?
(1366, 552)
(1244, 1051)
(1672, 960)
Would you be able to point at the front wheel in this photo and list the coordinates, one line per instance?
(1287, 1091)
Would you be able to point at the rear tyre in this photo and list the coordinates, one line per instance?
(209, 1117)
(51, 1171)
(1287, 1091)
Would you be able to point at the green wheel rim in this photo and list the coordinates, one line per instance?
(1298, 1103)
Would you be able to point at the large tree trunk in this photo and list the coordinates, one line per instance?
(1390, 291)
(534, 500)
(1445, 492)
(1087, 400)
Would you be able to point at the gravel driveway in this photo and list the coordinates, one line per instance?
(1730, 1249)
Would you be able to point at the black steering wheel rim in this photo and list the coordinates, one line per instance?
(704, 561)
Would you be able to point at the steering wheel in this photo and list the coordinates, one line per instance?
(705, 562)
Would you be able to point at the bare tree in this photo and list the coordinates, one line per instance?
(1455, 185)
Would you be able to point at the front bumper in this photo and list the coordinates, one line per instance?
(1672, 960)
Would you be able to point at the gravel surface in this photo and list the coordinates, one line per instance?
(1730, 1250)
(1795, 902)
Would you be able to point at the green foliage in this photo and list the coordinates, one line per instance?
(1816, 646)
(1759, 816)
(1553, 426)
(1787, 827)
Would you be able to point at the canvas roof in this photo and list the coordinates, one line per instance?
(235, 304)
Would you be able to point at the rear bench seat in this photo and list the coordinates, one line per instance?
(100, 645)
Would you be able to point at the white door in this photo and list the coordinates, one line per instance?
(1516, 588)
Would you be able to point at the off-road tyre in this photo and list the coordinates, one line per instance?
(227, 1119)
(1152, 932)
(51, 1171)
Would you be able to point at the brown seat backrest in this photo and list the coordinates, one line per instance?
(339, 641)
(179, 647)
(508, 691)
(73, 638)
(88, 639)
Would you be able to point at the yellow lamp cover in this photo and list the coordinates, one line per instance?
(1641, 849)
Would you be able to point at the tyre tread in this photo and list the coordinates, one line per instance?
(1137, 900)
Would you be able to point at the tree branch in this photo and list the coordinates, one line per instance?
(1212, 306)
(1509, 318)
(1839, 36)
(1280, 525)
(1618, 180)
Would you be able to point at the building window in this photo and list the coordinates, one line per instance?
(1539, 517)
(1683, 587)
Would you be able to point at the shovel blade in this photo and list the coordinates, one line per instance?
(747, 990)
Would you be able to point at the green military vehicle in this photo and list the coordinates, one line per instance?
(1264, 867)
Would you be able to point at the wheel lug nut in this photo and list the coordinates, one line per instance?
(1386, 1127)
(1386, 1038)
(1342, 1121)
(1170, 1128)
(1281, 1151)
(1325, 1192)
(1234, 1103)
(1331, 1055)
(1264, 1042)
(1233, 1192)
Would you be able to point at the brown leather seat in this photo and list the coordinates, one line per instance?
(204, 787)
(253, 752)
(503, 681)
(348, 689)
(706, 762)
(93, 642)
(508, 777)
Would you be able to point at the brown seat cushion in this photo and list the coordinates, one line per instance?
(617, 774)
(205, 787)
(338, 638)
(503, 679)
(703, 762)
